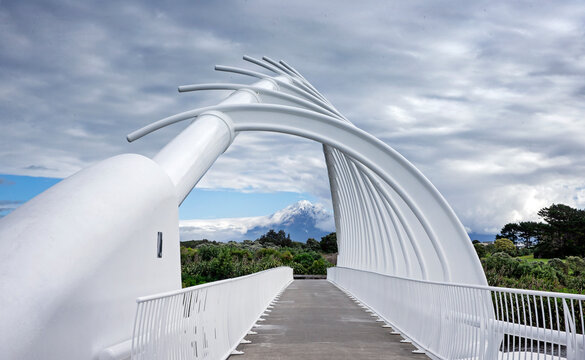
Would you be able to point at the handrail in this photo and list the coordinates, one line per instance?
(204, 321)
(481, 287)
(199, 287)
(474, 322)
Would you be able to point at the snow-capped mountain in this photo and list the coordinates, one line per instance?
(301, 220)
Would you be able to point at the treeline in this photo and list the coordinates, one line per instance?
(561, 232)
(547, 255)
(205, 261)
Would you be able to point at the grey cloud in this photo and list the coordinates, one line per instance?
(484, 97)
(37, 167)
(10, 202)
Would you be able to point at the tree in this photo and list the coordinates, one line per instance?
(528, 232)
(564, 232)
(279, 238)
(509, 231)
(525, 231)
(313, 244)
(505, 245)
(329, 243)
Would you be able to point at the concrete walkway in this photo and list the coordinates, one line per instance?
(315, 320)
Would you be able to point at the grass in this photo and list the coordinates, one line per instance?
(530, 258)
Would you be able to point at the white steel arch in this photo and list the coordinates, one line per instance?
(383, 205)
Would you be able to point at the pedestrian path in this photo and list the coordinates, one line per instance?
(315, 320)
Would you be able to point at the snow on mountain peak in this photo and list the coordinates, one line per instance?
(302, 207)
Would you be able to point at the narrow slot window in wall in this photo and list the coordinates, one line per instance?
(159, 245)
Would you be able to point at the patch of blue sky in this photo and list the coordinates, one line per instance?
(228, 203)
(481, 237)
(23, 188)
(15, 190)
(200, 204)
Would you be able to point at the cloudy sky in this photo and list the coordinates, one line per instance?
(485, 98)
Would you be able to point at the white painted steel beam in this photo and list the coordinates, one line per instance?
(421, 203)
(383, 205)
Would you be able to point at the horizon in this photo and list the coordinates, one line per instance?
(195, 206)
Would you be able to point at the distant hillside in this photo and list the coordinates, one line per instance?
(301, 220)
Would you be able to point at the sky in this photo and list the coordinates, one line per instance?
(486, 98)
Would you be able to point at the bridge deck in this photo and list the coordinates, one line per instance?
(315, 320)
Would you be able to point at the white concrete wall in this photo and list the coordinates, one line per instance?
(74, 259)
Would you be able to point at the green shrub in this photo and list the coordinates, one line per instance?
(208, 252)
(505, 245)
(286, 257)
(205, 261)
(558, 265)
(299, 269)
(241, 254)
(222, 266)
(305, 259)
(269, 262)
(480, 250)
(188, 255)
(501, 264)
(576, 284)
(266, 252)
(319, 267)
(576, 265)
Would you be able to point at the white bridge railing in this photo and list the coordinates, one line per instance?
(206, 321)
(451, 321)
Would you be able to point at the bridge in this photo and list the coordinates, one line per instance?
(80, 259)
(313, 319)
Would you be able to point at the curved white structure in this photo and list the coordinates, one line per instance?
(77, 256)
(389, 218)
